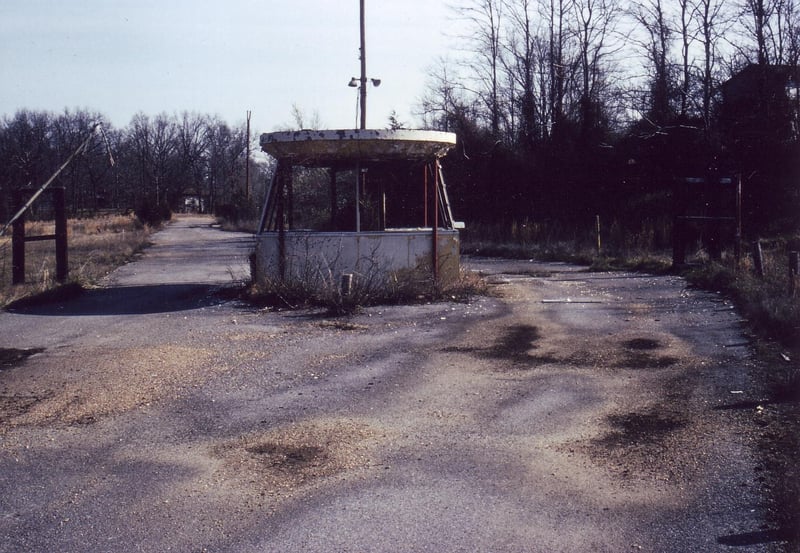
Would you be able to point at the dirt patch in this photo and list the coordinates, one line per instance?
(12, 406)
(289, 457)
(282, 460)
(639, 360)
(114, 381)
(342, 325)
(638, 344)
(646, 444)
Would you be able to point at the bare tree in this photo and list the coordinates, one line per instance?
(651, 17)
(520, 66)
(596, 24)
(225, 163)
(771, 27)
(26, 153)
(484, 19)
(191, 144)
(441, 97)
(685, 30)
(560, 67)
(711, 21)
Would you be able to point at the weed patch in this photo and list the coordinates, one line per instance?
(364, 290)
(96, 247)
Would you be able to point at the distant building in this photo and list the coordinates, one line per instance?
(759, 122)
(193, 201)
(762, 102)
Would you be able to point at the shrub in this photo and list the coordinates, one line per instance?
(152, 214)
(409, 286)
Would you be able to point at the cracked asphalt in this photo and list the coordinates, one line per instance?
(565, 411)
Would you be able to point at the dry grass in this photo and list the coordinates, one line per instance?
(95, 247)
(372, 288)
(646, 248)
(764, 302)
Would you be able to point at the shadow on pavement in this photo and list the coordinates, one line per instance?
(129, 300)
(757, 538)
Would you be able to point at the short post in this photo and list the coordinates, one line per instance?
(18, 244)
(347, 284)
(794, 273)
(597, 231)
(678, 244)
(62, 265)
(758, 258)
(737, 246)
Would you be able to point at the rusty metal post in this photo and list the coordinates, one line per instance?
(425, 170)
(18, 243)
(436, 222)
(62, 264)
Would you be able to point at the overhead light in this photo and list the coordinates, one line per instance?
(353, 82)
(376, 82)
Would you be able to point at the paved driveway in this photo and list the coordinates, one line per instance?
(565, 412)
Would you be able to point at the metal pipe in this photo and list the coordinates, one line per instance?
(436, 223)
(425, 169)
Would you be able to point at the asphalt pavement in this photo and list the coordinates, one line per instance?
(566, 411)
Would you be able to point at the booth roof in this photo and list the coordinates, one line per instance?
(315, 147)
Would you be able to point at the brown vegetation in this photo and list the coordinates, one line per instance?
(96, 246)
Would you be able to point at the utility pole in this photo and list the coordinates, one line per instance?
(247, 160)
(363, 88)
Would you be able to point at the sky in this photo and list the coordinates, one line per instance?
(121, 57)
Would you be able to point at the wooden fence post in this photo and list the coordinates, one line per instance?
(737, 246)
(62, 264)
(794, 273)
(678, 242)
(758, 258)
(18, 244)
(597, 231)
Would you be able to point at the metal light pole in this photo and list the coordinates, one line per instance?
(363, 88)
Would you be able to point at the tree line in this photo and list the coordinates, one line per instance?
(570, 108)
(564, 109)
(155, 165)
